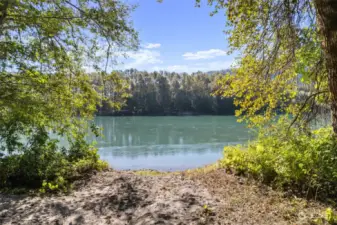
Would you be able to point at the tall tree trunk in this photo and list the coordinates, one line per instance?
(327, 23)
(3, 11)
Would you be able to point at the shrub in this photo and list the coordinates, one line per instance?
(43, 165)
(329, 217)
(289, 158)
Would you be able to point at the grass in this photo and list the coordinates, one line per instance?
(146, 172)
(187, 173)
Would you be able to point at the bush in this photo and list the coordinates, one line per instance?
(45, 166)
(289, 158)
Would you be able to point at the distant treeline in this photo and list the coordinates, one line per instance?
(169, 93)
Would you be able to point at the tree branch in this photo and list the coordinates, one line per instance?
(304, 104)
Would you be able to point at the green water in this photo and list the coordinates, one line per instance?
(166, 143)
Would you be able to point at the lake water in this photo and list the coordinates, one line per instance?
(166, 143)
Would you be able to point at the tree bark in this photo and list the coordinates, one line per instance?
(3, 11)
(327, 24)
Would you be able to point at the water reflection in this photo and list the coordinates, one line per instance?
(161, 150)
(157, 136)
(168, 143)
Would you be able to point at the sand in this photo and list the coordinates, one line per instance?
(121, 197)
(115, 198)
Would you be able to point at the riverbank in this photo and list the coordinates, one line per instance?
(145, 197)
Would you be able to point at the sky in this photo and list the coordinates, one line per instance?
(177, 36)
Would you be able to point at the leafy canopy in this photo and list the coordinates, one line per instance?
(45, 49)
(281, 60)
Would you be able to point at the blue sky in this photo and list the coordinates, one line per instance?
(176, 36)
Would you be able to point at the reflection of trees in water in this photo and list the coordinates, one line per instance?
(162, 150)
(134, 137)
(153, 131)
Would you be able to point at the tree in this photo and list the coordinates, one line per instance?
(45, 47)
(163, 93)
(327, 17)
(281, 42)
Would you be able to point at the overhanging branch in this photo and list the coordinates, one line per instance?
(304, 104)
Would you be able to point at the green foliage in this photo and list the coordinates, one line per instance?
(44, 46)
(330, 216)
(44, 165)
(290, 159)
(281, 68)
(258, 99)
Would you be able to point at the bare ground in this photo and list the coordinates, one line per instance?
(122, 197)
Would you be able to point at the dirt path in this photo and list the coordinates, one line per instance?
(126, 198)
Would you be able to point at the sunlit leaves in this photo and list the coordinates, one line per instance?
(280, 51)
(44, 49)
(258, 98)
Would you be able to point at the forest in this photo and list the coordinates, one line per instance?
(168, 93)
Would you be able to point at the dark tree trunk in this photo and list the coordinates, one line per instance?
(327, 24)
(3, 11)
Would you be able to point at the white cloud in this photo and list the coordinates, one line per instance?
(208, 54)
(152, 45)
(142, 58)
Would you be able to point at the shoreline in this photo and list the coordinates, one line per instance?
(206, 195)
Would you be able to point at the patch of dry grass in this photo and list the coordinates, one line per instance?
(248, 202)
(201, 170)
(149, 173)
